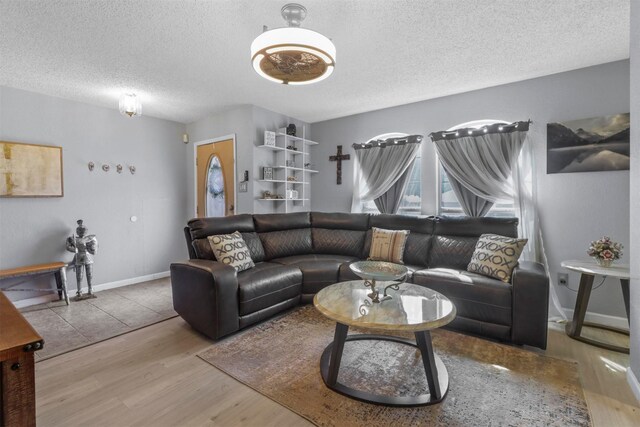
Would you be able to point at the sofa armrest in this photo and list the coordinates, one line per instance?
(530, 305)
(205, 294)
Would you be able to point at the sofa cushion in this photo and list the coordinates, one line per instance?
(201, 228)
(276, 222)
(338, 242)
(278, 244)
(345, 272)
(475, 297)
(451, 252)
(340, 221)
(318, 270)
(403, 222)
(267, 284)
(474, 227)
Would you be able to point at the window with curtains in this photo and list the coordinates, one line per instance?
(448, 203)
(412, 197)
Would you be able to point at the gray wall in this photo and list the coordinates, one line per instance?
(635, 185)
(248, 123)
(33, 230)
(575, 208)
(236, 121)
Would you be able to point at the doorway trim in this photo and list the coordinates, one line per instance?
(195, 170)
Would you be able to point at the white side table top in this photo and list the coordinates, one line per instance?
(620, 271)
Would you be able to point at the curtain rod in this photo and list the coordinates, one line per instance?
(399, 140)
(494, 128)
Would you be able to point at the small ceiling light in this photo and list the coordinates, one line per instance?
(293, 55)
(130, 105)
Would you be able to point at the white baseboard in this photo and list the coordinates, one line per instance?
(602, 319)
(633, 383)
(97, 288)
(42, 299)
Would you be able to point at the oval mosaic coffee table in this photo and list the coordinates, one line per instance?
(411, 308)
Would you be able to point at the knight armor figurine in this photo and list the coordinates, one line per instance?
(84, 246)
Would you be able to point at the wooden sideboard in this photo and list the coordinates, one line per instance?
(18, 342)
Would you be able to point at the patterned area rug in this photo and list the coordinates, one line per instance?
(490, 383)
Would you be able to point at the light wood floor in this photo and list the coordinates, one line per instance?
(152, 377)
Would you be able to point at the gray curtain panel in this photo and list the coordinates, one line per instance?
(390, 201)
(379, 165)
(472, 205)
(482, 160)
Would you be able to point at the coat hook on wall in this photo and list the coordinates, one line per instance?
(91, 165)
(106, 168)
(132, 169)
(119, 168)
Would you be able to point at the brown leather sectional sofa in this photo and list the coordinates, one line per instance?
(298, 254)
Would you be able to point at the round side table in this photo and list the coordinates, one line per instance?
(589, 270)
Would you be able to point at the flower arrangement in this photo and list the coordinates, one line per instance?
(605, 251)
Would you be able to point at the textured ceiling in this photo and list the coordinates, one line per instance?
(188, 59)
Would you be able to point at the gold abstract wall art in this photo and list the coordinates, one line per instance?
(30, 170)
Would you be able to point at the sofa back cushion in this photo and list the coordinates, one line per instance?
(456, 237)
(201, 228)
(277, 222)
(338, 233)
(467, 226)
(284, 235)
(451, 252)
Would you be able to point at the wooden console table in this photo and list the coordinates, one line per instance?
(589, 270)
(58, 269)
(18, 342)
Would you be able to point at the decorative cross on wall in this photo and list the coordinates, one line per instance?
(339, 157)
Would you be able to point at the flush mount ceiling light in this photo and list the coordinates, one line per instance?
(293, 55)
(130, 105)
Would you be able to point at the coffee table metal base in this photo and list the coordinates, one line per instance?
(436, 372)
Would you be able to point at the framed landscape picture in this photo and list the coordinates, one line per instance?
(589, 145)
(30, 170)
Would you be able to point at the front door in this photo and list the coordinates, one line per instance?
(215, 169)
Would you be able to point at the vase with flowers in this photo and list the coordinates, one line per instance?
(605, 251)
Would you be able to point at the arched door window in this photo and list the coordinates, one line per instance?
(215, 198)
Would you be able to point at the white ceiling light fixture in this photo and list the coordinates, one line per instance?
(130, 105)
(293, 55)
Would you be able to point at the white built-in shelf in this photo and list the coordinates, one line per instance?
(283, 181)
(295, 169)
(297, 153)
(276, 148)
(296, 138)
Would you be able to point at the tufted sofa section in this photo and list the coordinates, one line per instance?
(298, 254)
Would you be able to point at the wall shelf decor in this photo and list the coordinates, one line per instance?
(289, 175)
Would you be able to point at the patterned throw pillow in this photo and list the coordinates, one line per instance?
(388, 245)
(496, 256)
(231, 249)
